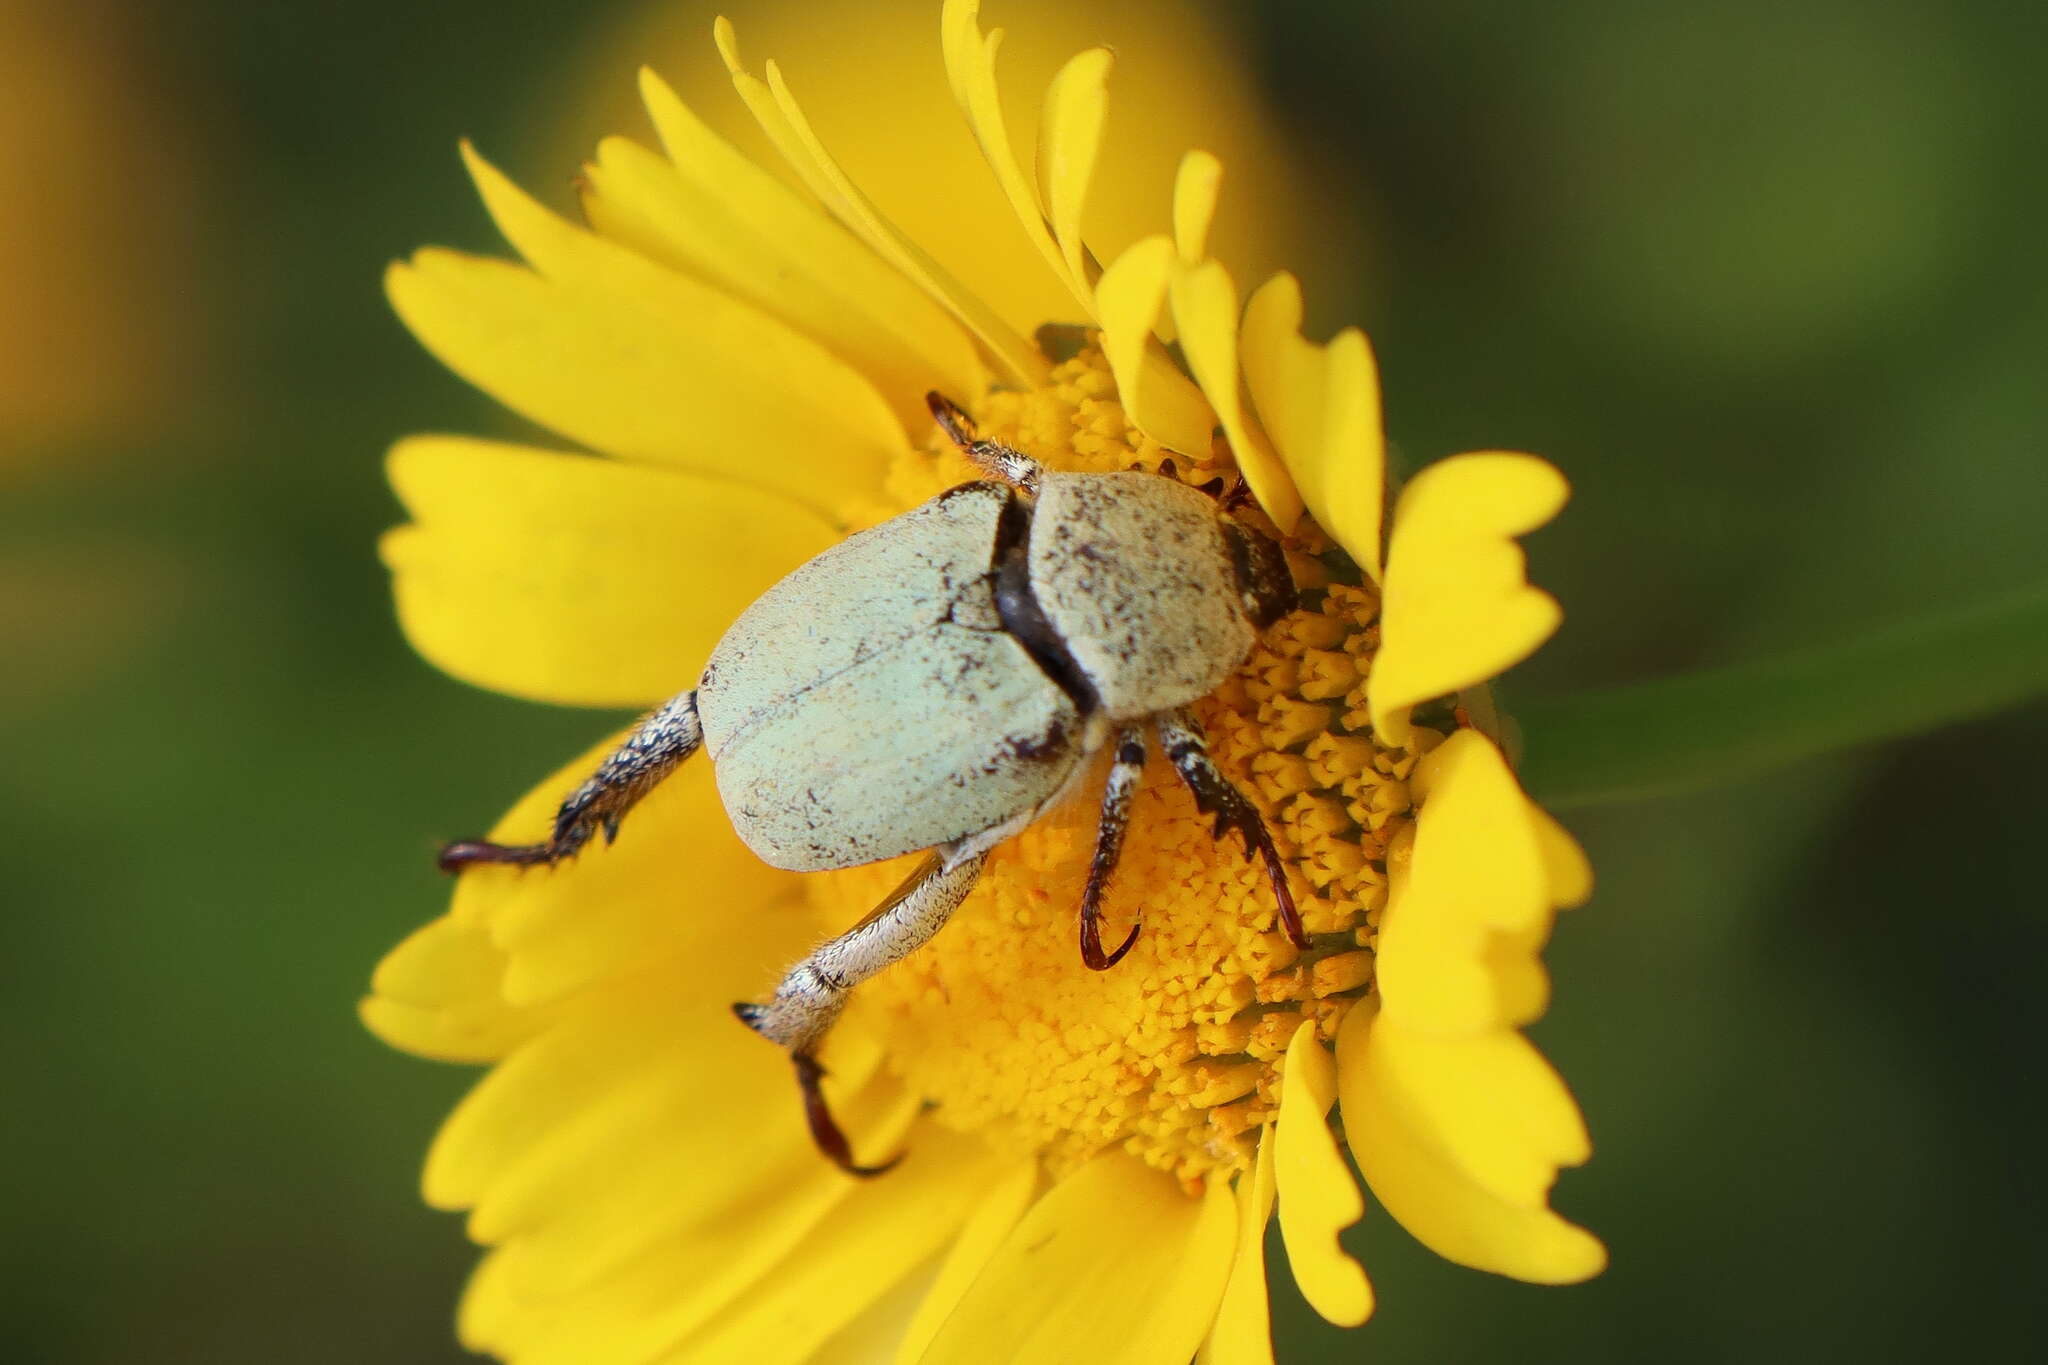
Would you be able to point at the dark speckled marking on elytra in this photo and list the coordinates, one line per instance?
(1040, 749)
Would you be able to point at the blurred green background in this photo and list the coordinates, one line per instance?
(1763, 277)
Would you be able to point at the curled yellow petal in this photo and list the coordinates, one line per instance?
(778, 115)
(1473, 900)
(1113, 1265)
(1069, 141)
(1490, 1104)
(1457, 607)
(710, 211)
(970, 58)
(1321, 407)
(531, 572)
(1318, 1195)
(1243, 1333)
(1162, 402)
(1205, 309)
(1436, 1199)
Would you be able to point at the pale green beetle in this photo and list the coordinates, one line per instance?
(938, 682)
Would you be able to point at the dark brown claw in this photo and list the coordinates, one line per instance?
(825, 1131)
(1241, 816)
(1091, 943)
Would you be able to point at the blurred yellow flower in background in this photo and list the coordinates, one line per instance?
(106, 327)
(1093, 1157)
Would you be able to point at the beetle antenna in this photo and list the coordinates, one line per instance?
(1010, 465)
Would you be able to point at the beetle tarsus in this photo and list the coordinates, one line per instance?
(462, 853)
(653, 750)
(1124, 773)
(1215, 794)
(825, 1130)
(1007, 463)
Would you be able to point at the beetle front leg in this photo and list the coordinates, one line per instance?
(1181, 736)
(1007, 463)
(655, 748)
(815, 990)
(1109, 843)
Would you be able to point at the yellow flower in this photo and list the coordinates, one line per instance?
(1092, 1156)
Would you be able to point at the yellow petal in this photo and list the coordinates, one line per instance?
(879, 99)
(1436, 1201)
(557, 1074)
(1195, 187)
(880, 1233)
(1163, 403)
(627, 357)
(971, 69)
(439, 994)
(1473, 903)
(1476, 841)
(1318, 1195)
(1457, 607)
(1205, 309)
(877, 1333)
(1114, 1265)
(775, 109)
(1243, 1331)
(1571, 875)
(996, 1213)
(1321, 407)
(1489, 1104)
(711, 212)
(618, 1183)
(570, 579)
(683, 1278)
(1069, 139)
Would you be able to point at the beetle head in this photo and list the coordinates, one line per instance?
(1262, 577)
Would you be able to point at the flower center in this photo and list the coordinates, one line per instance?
(1174, 1052)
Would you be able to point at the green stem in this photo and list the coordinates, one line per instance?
(1689, 731)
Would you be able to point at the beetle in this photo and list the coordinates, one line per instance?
(939, 681)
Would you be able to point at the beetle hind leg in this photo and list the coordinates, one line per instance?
(1181, 736)
(814, 991)
(655, 748)
(1109, 843)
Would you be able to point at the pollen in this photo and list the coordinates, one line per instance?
(1173, 1054)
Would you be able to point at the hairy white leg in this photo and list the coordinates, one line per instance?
(1124, 774)
(814, 991)
(655, 748)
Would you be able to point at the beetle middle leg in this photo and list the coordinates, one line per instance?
(1109, 843)
(654, 749)
(814, 992)
(1181, 736)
